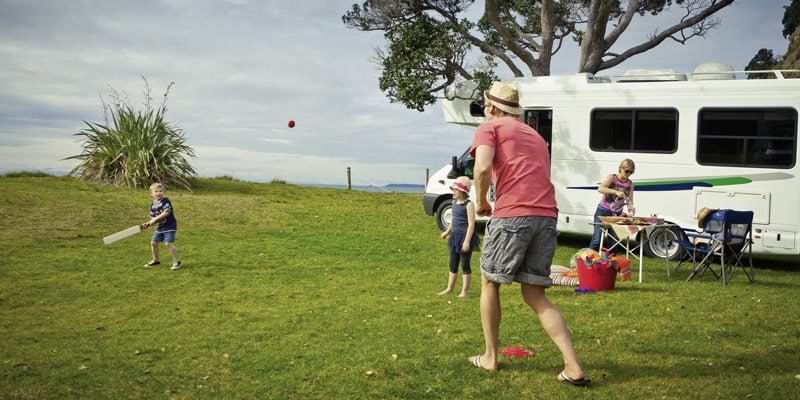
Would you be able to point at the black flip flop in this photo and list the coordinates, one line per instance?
(574, 382)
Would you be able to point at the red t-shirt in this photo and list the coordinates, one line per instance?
(521, 168)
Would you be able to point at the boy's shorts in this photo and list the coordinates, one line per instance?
(168, 237)
(519, 249)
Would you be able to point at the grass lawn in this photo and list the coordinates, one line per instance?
(292, 292)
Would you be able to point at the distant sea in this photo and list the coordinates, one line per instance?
(390, 188)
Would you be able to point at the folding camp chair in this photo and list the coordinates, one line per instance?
(726, 236)
(737, 245)
(699, 246)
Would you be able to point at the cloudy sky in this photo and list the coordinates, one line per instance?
(243, 68)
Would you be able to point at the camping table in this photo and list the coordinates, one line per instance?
(627, 227)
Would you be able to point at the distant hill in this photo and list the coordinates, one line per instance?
(392, 187)
(791, 60)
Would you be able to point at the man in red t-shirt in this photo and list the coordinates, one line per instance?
(520, 238)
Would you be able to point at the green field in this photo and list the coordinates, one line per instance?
(292, 292)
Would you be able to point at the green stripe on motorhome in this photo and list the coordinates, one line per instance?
(689, 183)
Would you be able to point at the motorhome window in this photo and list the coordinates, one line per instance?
(476, 109)
(634, 130)
(542, 122)
(752, 137)
(466, 164)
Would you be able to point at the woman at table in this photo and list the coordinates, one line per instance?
(617, 192)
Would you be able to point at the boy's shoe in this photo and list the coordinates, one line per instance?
(176, 265)
(152, 263)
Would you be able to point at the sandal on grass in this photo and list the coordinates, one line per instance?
(574, 382)
(476, 361)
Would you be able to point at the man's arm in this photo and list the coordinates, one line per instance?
(484, 157)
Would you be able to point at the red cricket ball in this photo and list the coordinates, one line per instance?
(291, 123)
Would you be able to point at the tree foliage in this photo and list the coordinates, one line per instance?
(791, 18)
(762, 61)
(134, 148)
(432, 45)
(423, 56)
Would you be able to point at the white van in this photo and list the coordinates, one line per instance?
(704, 139)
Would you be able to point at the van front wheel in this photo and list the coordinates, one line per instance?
(444, 214)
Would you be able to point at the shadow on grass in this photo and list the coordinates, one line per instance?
(740, 368)
(776, 263)
(631, 286)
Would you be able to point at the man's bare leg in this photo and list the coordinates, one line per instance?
(553, 323)
(490, 320)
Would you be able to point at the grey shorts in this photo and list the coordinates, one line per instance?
(519, 249)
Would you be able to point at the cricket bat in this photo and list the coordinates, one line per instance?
(122, 234)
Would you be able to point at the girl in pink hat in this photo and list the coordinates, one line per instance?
(463, 238)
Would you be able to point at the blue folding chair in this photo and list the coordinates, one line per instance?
(698, 246)
(737, 245)
(726, 235)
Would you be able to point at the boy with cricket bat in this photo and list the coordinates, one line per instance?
(161, 213)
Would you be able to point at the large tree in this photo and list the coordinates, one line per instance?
(431, 44)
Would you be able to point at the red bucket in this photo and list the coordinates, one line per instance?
(597, 278)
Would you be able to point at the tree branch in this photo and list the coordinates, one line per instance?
(688, 21)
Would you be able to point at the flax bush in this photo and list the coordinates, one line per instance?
(134, 148)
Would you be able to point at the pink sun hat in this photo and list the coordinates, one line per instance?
(461, 183)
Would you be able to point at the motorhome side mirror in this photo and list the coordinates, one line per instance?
(455, 172)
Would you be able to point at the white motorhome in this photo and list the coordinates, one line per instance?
(704, 139)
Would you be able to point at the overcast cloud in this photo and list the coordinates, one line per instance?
(243, 68)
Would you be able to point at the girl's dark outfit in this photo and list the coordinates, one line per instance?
(458, 231)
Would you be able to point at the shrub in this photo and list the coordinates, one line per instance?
(134, 148)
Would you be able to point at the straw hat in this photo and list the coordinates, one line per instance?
(702, 214)
(505, 97)
(461, 183)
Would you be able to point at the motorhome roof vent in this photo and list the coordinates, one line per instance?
(713, 70)
(650, 75)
